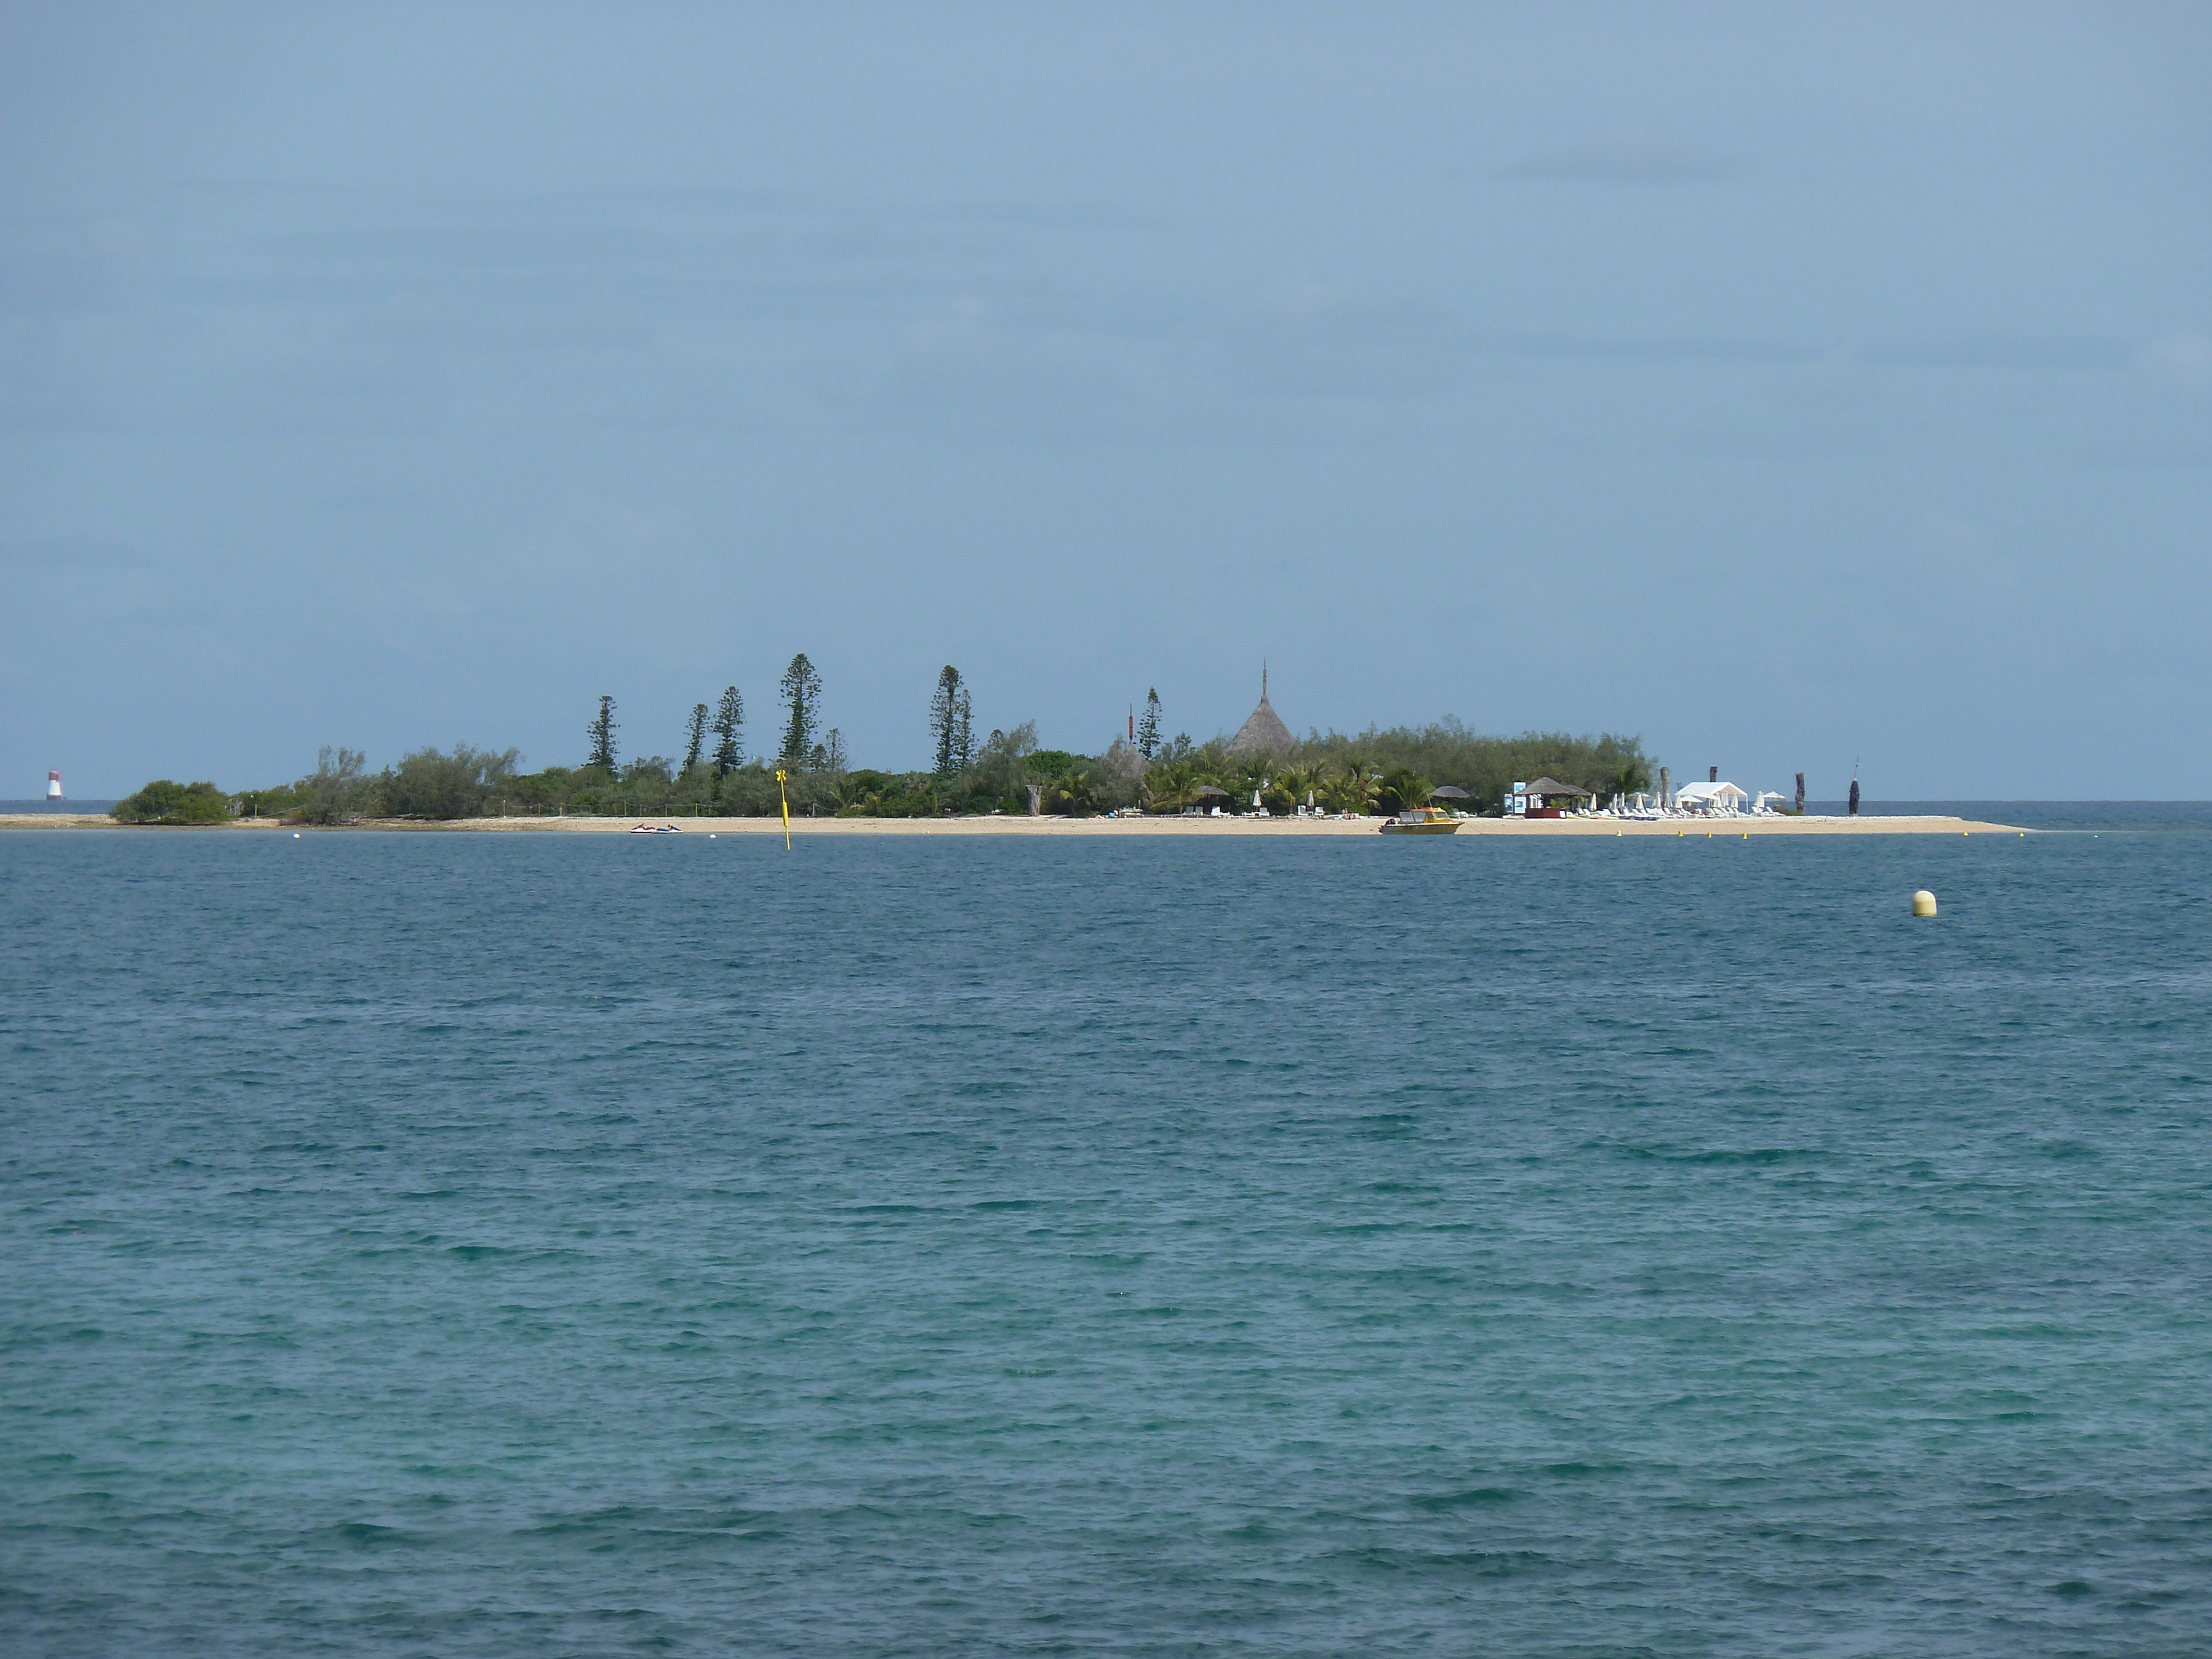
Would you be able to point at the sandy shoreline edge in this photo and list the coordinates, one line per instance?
(1731, 828)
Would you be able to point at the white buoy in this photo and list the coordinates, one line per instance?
(53, 785)
(1923, 903)
(296, 835)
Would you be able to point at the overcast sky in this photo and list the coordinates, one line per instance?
(1786, 384)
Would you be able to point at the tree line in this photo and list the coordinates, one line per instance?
(1376, 770)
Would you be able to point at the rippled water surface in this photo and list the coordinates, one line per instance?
(543, 1244)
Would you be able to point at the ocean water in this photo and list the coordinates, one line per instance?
(2145, 817)
(527, 1244)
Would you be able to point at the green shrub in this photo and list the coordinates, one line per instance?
(284, 800)
(428, 785)
(338, 791)
(166, 802)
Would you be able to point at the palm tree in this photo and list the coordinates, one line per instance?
(1072, 789)
(1352, 789)
(1172, 787)
(1402, 789)
(1626, 780)
(1246, 777)
(1294, 783)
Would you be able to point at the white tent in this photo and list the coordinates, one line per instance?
(1710, 797)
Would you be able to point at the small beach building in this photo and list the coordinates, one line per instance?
(1264, 732)
(1710, 797)
(1548, 797)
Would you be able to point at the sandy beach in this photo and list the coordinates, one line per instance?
(997, 825)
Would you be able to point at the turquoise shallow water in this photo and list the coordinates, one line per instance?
(536, 1244)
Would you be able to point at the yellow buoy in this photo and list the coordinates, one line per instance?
(1923, 903)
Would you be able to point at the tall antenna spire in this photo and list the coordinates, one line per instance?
(1263, 679)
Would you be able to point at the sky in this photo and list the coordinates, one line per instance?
(1797, 387)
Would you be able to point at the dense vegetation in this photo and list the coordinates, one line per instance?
(164, 802)
(1378, 770)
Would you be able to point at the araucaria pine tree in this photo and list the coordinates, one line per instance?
(729, 725)
(1148, 729)
(697, 731)
(964, 732)
(601, 735)
(802, 701)
(951, 725)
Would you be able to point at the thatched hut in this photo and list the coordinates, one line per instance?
(1264, 733)
(1546, 796)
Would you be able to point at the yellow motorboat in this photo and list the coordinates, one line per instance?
(1421, 821)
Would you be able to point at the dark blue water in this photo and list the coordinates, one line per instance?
(539, 1244)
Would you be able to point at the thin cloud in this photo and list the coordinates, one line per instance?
(1628, 160)
(2181, 455)
(1687, 349)
(2185, 359)
(2018, 351)
(69, 553)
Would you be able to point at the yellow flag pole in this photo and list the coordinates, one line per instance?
(781, 774)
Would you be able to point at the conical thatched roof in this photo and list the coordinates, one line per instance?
(1264, 733)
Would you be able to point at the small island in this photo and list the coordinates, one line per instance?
(1262, 778)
